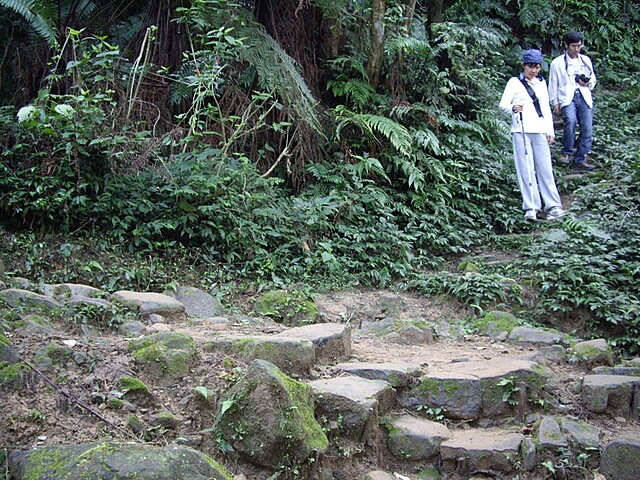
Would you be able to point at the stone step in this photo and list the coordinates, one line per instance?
(353, 404)
(397, 374)
(621, 458)
(485, 389)
(291, 355)
(414, 438)
(616, 394)
(494, 452)
(332, 341)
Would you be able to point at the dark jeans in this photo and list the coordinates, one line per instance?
(577, 114)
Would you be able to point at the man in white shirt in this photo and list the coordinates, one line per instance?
(571, 80)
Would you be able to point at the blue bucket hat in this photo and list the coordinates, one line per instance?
(532, 56)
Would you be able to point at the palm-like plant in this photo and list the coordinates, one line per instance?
(39, 15)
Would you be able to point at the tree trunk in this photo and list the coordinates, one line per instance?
(376, 55)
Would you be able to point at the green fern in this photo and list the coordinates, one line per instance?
(371, 125)
(39, 15)
(276, 70)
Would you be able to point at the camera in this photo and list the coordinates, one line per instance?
(581, 77)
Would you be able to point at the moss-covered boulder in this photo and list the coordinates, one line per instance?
(7, 354)
(136, 392)
(291, 308)
(166, 355)
(592, 352)
(20, 298)
(106, 461)
(497, 324)
(268, 418)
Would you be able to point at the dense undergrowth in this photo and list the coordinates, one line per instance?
(408, 194)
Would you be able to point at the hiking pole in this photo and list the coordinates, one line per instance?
(526, 159)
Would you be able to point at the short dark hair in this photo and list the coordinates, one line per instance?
(573, 37)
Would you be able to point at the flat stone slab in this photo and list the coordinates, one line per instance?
(355, 404)
(291, 355)
(631, 371)
(458, 395)
(492, 451)
(620, 459)
(617, 394)
(535, 335)
(397, 374)
(415, 438)
(332, 341)
(492, 374)
(148, 303)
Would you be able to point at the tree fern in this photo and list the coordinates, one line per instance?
(276, 70)
(39, 15)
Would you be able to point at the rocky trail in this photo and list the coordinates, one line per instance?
(399, 386)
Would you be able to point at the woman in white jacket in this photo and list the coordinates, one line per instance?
(526, 99)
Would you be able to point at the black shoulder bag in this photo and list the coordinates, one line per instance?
(532, 94)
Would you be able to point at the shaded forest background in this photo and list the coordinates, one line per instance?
(329, 143)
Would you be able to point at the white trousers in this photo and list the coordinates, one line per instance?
(535, 173)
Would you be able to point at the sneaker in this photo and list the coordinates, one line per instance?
(564, 160)
(530, 215)
(555, 213)
(583, 167)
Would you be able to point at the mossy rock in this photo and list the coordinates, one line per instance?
(58, 355)
(164, 355)
(12, 374)
(497, 323)
(112, 460)
(287, 430)
(136, 392)
(290, 308)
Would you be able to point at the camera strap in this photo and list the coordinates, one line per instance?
(532, 94)
(566, 64)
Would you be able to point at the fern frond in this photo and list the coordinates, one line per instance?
(275, 69)
(371, 125)
(428, 141)
(40, 16)
(356, 90)
(411, 45)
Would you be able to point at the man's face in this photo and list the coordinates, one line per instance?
(573, 49)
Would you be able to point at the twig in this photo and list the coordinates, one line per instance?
(285, 153)
(76, 401)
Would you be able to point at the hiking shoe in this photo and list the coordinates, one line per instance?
(583, 167)
(555, 213)
(564, 160)
(530, 215)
